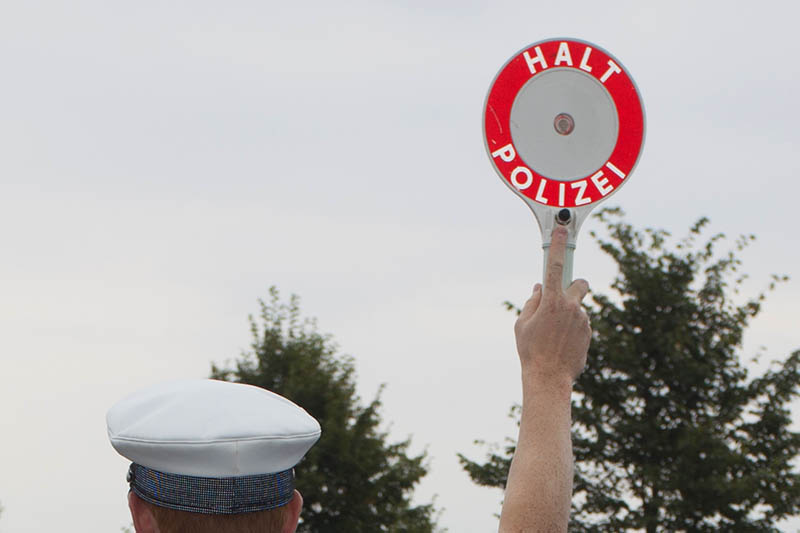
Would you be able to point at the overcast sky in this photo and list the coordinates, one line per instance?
(164, 163)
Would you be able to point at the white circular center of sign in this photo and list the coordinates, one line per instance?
(564, 124)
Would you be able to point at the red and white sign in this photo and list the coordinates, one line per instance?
(606, 70)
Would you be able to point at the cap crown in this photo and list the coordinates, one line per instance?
(211, 428)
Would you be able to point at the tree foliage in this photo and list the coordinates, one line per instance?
(670, 433)
(353, 480)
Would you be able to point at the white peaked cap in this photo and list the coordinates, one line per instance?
(211, 429)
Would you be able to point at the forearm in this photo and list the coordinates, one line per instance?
(553, 335)
(539, 488)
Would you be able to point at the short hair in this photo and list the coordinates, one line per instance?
(174, 521)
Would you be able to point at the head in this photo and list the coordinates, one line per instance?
(149, 518)
(211, 456)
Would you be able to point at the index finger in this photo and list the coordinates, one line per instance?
(555, 260)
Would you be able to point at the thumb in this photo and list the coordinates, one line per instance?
(533, 302)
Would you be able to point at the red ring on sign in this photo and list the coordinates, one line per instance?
(507, 84)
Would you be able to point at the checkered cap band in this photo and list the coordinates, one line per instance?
(228, 495)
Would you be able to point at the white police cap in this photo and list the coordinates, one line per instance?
(211, 446)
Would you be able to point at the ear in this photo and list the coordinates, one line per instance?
(143, 519)
(292, 513)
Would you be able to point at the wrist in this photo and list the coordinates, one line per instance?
(555, 386)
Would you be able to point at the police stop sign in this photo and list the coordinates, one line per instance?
(564, 126)
(563, 123)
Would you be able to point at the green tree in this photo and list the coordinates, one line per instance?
(670, 433)
(353, 480)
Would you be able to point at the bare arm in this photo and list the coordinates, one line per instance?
(552, 340)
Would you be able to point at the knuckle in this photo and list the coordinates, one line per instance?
(550, 305)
